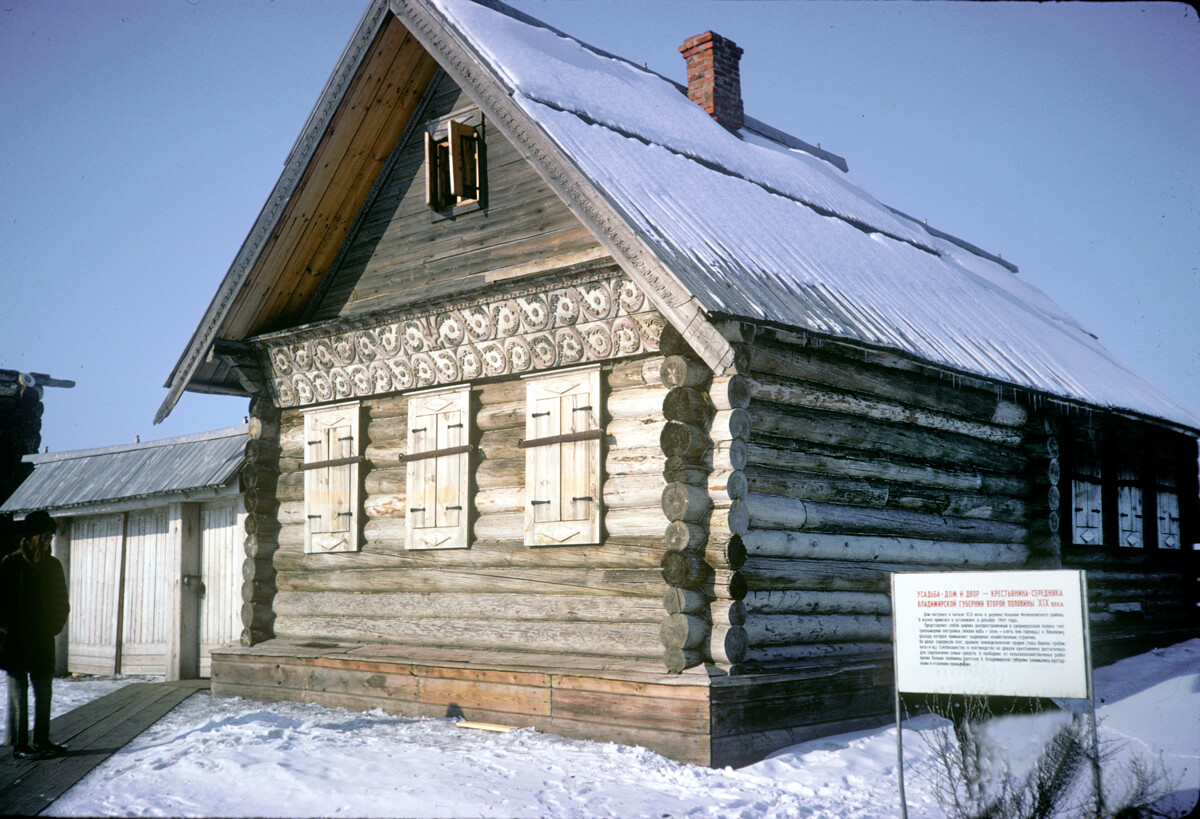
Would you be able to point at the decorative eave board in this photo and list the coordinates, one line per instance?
(590, 319)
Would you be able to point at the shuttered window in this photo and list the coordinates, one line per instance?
(1125, 487)
(331, 478)
(437, 466)
(453, 162)
(562, 458)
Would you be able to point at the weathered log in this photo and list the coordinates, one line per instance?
(500, 500)
(599, 639)
(261, 525)
(643, 461)
(262, 451)
(509, 415)
(733, 454)
(491, 473)
(726, 486)
(636, 372)
(730, 392)
(291, 513)
(876, 548)
(766, 657)
(260, 477)
(682, 471)
(380, 505)
(260, 546)
(727, 613)
(793, 514)
(960, 504)
(783, 483)
(687, 601)
(883, 377)
(729, 425)
(680, 440)
(484, 555)
(259, 427)
(531, 580)
(783, 391)
(635, 404)
(858, 433)
(633, 491)
(635, 434)
(390, 480)
(728, 644)
(483, 606)
(257, 617)
(684, 570)
(683, 535)
(763, 574)
(793, 601)
(683, 631)
(684, 371)
(678, 660)
(688, 405)
(681, 501)
(725, 584)
(635, 523)
(504, 526)
(790, 629)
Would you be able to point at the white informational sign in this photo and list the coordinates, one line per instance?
(1019, 634)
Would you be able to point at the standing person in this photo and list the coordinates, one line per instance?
(33, 609)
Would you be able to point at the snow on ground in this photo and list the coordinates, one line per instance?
(231, 757)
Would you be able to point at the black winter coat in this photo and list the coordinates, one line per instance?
(33, 609)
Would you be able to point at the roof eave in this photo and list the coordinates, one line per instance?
(206, 333)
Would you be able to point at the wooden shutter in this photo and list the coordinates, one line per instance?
(1087, 523)
(562, 459)
(437, 459)
(462, 161)
(331, 458)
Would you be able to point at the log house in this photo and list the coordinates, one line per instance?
(568, 411)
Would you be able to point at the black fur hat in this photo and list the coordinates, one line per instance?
(39, 523)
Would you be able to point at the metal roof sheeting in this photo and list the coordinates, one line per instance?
(758, 230)
(86, 477)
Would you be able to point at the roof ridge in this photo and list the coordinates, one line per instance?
(195, 437)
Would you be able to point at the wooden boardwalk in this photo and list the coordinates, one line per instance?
(93, 732)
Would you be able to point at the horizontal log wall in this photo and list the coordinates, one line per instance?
(857, 467)
(498, 594)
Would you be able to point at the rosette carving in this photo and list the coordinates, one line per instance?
(588, 320)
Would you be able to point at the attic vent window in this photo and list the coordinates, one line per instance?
(454, 163)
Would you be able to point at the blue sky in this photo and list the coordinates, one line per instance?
(139, 140)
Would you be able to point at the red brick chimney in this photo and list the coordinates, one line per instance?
(714, 78)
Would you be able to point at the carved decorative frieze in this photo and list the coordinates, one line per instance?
(571, 324)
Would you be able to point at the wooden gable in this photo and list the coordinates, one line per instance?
(402, 252)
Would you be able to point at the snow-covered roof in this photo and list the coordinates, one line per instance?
(757, 230)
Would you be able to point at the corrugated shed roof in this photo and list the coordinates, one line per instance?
(85, 477)
(758, 230)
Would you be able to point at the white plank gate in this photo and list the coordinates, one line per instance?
(147, 608)
(95, 593)
(221, 572)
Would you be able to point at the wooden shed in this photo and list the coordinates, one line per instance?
(583, 400)
(150, 535)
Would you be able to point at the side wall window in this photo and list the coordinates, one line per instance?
(331, 481)
(437, 461)
(562, 458)
(1125, 487)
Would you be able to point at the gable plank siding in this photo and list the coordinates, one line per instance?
(404, 253)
